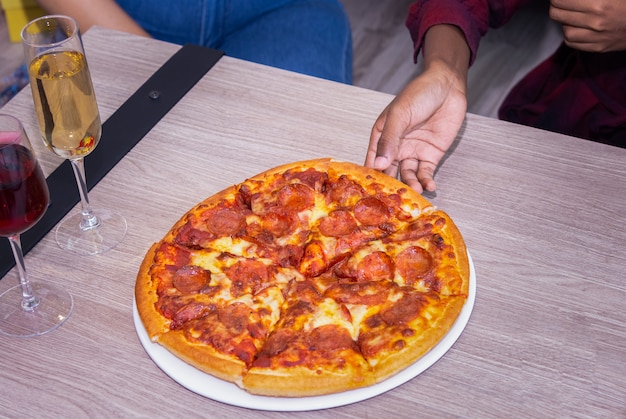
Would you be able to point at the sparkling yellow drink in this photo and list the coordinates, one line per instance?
(65, 103)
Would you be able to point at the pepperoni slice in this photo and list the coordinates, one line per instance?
(404, 310)
(311, 177)
(306, 293)
(191, 279)
(290, 255)
(329, 338)
(225, 221)
(414, 231)
(172, 255)
(280, 221)
(168, 305)
(376, 266)
(337, 223)
(191, 311)
(163, 276)
(345, 270)
(276, 343)
(191, 237)
(296, 197)
(244, 195)
(247, 276)
(235, 317)
(345, 192)
(413, 263)
(368, 293)
(371, 211)
(299, 308)
(370, 342)
(227, 330)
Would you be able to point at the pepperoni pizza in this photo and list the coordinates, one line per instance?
(311, 278)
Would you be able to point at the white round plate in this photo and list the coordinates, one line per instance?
(225, 392)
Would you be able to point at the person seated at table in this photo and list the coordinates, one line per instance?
(578, 91)
(307, 36)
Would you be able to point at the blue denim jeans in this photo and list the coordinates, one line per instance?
(307, 36)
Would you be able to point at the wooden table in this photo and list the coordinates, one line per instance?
(544, 217)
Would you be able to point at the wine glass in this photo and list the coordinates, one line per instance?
(28, 309)
(69, 123)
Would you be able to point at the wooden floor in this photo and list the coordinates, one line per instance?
(383, 51)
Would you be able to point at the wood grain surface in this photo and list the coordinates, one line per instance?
(543, 216)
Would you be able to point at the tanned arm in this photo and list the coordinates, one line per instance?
(416, 129)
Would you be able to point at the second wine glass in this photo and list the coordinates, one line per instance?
(69, 122)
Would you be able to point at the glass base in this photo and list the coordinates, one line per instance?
(55, 306)
(108, 234)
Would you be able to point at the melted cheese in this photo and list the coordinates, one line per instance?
(330, 312)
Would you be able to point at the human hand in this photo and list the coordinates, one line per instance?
(414, 131)
(592, 25)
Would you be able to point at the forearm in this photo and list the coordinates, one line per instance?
(105, 13)
(445, 48)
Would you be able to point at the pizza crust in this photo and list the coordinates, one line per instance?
(304, 382)
(204, 357)
(146, 299)
(462, 266)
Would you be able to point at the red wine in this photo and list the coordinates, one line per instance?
(24, 193)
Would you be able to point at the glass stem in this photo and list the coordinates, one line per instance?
(29, 301)
(89, 220)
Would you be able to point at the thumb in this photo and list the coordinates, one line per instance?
(385, 140)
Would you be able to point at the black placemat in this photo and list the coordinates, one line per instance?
(125, 128)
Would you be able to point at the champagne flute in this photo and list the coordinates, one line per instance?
(69, 122)
(28, 309)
